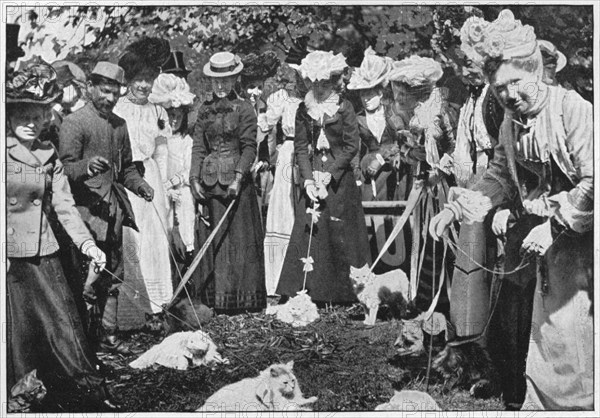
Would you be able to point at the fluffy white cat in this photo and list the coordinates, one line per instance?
(373, 290)
(275, 389)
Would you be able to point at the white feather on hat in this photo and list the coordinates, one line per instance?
(372, 71)
(169, 90)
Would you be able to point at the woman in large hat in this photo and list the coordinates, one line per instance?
(383, 180)
(173, 93)
(230, 277)
(146, 253)
(427, 140)
(326, 140)
(543, 170)
(45, 332)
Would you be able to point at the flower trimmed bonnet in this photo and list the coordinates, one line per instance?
(321, 65)
(171, 91)
(416, 71)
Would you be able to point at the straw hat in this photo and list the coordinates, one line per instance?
(548, 47)
(35, 84)
(372, 72)
(169, 91)
(223, 64)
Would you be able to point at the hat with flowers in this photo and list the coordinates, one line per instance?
(169, 91)
(372, 72)
(321, 65)
(416, 71)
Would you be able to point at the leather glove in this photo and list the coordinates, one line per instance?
(539, 239)
(311, 190)
(500, 222)
(146, 191)
(235, 186)
(197, 191)
(91, 250)
(97, 165)
(440, 223)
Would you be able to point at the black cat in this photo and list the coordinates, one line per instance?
(180, 317)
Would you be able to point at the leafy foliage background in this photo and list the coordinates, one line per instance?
(86, 34)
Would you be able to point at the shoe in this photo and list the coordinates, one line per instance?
(99, 400)
(113, 345)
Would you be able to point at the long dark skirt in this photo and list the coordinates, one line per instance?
(44, 328)
(339, 241)
(231, 275)
(509, 333)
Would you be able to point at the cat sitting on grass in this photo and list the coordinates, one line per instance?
(375, 290)
(275, 389)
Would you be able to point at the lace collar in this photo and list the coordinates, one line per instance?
(317, 110)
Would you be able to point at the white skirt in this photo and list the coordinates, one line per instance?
(148, 283)
(280, 216)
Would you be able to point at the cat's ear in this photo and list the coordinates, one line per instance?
(148, 316)
(290, 364)
(274, 372)
(264, 393)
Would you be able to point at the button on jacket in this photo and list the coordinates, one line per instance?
(36, 189)
(85, 134)
(224, 140)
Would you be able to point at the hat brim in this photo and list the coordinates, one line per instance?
(561, 61)
(40, 102)
(177, 71)
(364, 85)
(210, 73)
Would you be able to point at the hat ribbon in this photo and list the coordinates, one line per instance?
(223, 69)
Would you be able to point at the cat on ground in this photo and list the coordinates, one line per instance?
(164, 324)
(275, 389)
(467, 366)
(375, 290)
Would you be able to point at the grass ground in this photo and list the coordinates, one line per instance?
(348, 366)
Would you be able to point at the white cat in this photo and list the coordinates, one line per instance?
(275, 389)
(179, 350)
(373, 290)
(299, 311)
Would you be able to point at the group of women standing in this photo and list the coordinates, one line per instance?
(407, 143)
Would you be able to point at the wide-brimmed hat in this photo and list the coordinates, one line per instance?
(109, 71)
(144, 56)
(321, 65)
(549, 48)
(35, 84)
(416, 71)
(175, 65)
(372, 72)
(259, 67)
(13, 50)
(223, 64)
(170, 90)
(78, 73)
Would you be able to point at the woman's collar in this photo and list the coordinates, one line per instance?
(317, 110)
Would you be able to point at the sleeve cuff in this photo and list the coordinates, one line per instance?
(470, 206)
(569, 215)
(380, 159)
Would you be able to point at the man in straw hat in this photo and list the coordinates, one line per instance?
(95, 149)
(542, 170)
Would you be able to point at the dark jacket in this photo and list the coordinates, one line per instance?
(224, 140)
(341, 130)
(38, 192)
(388, 147)
(85, 134)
